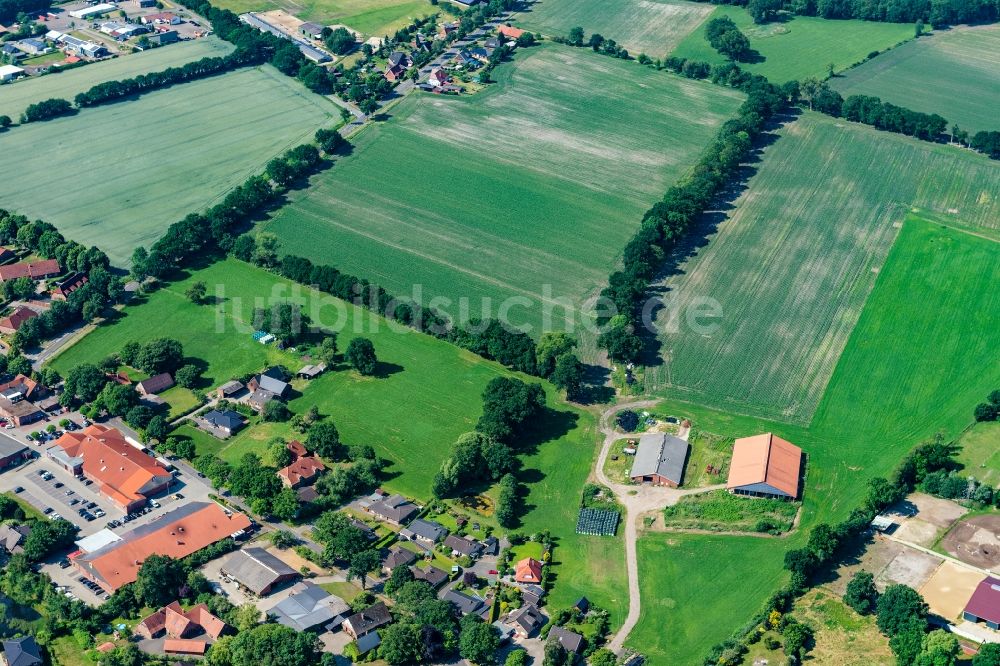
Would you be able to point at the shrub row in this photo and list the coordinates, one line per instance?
(940, 13)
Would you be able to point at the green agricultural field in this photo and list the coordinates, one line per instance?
(800, 47)
(14, 99)
(430, 394)
(529, 189)
(955, 73)
(979, 452)
(823, 229)
(370, 17)
(887, 395)
(116, 176)
(653, 27)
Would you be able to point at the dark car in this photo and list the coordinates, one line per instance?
(18, 489)
(59, 484)
(47, 510)
(64, 564)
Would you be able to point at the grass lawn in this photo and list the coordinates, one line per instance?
(980, 452)
(720, 511)
(14, 99)
(427, 394)
(66, 651)
(29, 510)
(884, 398)
(843, 638)
(531, 549)
(825, 230)
(544, 184)
(653, 27)
(119, 184)
(46, 59)
(618, 470)
(376, 18)
(707, 450)
(346, 591)
(181, 400)
(801, 46)
(957, 74)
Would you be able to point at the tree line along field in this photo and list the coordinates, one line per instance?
(653, 27)
(798, 47)
(116, 176)
(921, 356)
(529, 189)
(14, 99)
(370, 17)
(429, 393)
(813, 218)
(954, 73)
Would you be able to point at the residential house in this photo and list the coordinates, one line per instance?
(394, 73)
(984, 604)
(431, 575)
(122, 473)
(367, 531)
(311, 30)
(13, 53)
(12, 452)
(37, 270)
(259, 398)
(491, 545)
(228, 390)
(368, 642)
(582, 605)
(465, 59)
(366, 621)
(227, 420)
(461, 545)
(20, 412)
(257, 570)
(532, 594)
(21, 652)
(445, 29)
(397, 557)
(491, 43)
(527, 620)
(155, 384)
(438, 78)
(481, 54)
(307, 494)
(68, 285)
(528, 570)
(765, 466)
(301, 472)
(174, 622)
(12, 537)
(310, 607)
(571, 641)
(33, 46)
(421, 43)
(162, 18)
(395, 510)
(176, 534)
(465, 603)
(297, 449)
(22, 388)
(399, 59)
(660, 460)
(273, 380)
(510, 31)
(424, 531)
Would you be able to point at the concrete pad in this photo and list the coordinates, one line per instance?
(918, 531)
(937, 511)
(949, 589)
(910, 567)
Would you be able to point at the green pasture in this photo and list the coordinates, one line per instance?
(376, 18)
(721, 511)
(15, 98)
(653, 27)
(887, 395)
(514, 201)
(954, 73)
(824, 230)
(428, 392)
(116, 176)
(799, 47)
(979, 452)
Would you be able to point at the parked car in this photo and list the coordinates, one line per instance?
(59, 484)
(18, 489)
(74, 502)
(64, 564)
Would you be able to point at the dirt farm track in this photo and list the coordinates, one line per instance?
(976, 541)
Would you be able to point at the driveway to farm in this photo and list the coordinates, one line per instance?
(637, 500)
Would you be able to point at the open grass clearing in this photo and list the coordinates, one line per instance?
(707, 451)
(799, 47)
(954, 73)
(720, 511)
(373, 18)
(30, 512)
(884, 398)
(116, 176)
(826, 230)
(653, 27)
(843, 638)
(427, 394)
(14, 99)
(979, 452)
(539, 184)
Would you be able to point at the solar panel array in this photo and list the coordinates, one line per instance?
(597, 522)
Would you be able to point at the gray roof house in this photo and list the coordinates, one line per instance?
(532, 594)
(21, 652)
(369, 619)
(395, 509)
(431, 575)
(258, 570)
(423, 530)
(11, 538)
(527, 620)
(309, 606)
(273, 380)
(369, 642)
(397, 557)
(227, 421)
(570, 640)
(660, 460)
(463, 545)
(466, 604)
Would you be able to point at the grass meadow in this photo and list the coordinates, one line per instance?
(954, 73)
(427, 394)
(117, 175)
(979, 452)
(919, 358)
(653, 27)
(14, 99)
(800, 46)
(529, 189)
(376, 18)
(721, 511)
(824, 230)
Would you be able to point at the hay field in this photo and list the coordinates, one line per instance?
(653, 27)
(922, 353)
(955, 73)
(14, 99)
(801, 46)
(528, 190)
(370, 17)
(793, 264)
(116, 176)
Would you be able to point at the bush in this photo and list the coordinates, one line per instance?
(627, 420)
